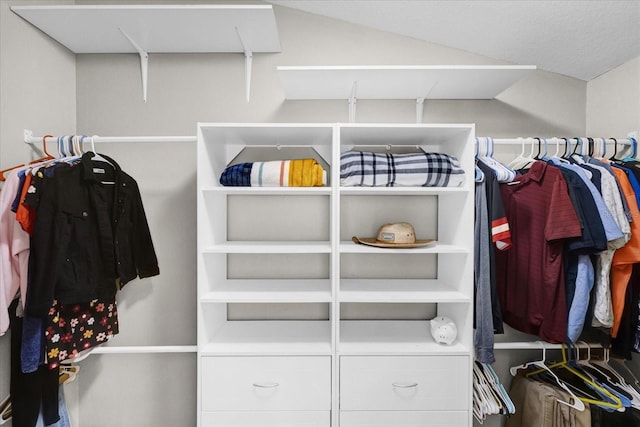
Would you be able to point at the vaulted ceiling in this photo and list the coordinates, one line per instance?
(577, 38)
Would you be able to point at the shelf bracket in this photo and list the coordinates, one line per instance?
(419, 109)
(248, 61)
(144, 63)
(352, 102)
(420, 103)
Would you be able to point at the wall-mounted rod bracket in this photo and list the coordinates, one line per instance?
(352, 102)
(248, 61)
(144, 63)
(28, 136)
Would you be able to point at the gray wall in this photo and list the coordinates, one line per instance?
(613, 101)
(37, 91)
(159, 390)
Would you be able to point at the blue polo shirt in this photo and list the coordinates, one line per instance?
(611, 228)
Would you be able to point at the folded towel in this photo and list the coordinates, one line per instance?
(278, 173)
(369, 169)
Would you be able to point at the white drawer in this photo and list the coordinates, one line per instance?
(412, 383)
(404, 419)
(266, 419)
(266, 383)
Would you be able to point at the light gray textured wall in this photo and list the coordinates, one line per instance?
(37, 91)
(120, 390)
(38, 85)
(613, 101)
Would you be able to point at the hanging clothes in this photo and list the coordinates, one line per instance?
(599, 230)
(625, 257)
(542, 216)
(73, 232)
(483, 322)
(33, 392)
(14, 251)
(91, 238)
(537, 405)
(500, 236)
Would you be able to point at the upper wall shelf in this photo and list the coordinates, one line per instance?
(417, 82)
(166, 28)
(147, 29)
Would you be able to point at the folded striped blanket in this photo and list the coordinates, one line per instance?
(367, 169)
(278, 173)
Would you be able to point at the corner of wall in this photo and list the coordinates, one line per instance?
(613, 101)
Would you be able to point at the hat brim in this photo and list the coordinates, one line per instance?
(372, 241)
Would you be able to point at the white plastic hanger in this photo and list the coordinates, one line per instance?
(484, 153)
(577, 403)
(496, 385)
(485, 400)
(521, 161)
(98, 158)
(613, 376)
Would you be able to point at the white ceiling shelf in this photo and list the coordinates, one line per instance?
(417, 82)
(145, 29)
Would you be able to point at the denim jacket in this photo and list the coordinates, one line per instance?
(90, 238)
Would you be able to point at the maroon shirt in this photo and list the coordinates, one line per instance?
(530, 275)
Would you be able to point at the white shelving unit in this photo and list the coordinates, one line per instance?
(268, 248)
(294, 248)
(145, 29)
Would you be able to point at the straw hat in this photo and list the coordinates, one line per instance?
(396, 235)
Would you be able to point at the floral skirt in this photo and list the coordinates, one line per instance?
(72, 328)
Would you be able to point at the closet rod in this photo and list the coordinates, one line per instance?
(145, 349)
(533, 345)
(30, 139)
(551, 140)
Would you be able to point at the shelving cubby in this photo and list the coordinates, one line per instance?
(421, 282)
(260, 246)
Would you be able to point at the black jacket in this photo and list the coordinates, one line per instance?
(89, 238)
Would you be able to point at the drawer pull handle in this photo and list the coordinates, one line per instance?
(266, 385)
(399, 385)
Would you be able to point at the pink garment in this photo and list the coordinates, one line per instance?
(14, 251)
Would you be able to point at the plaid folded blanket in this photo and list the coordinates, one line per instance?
(278, 173)
(368, 169)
